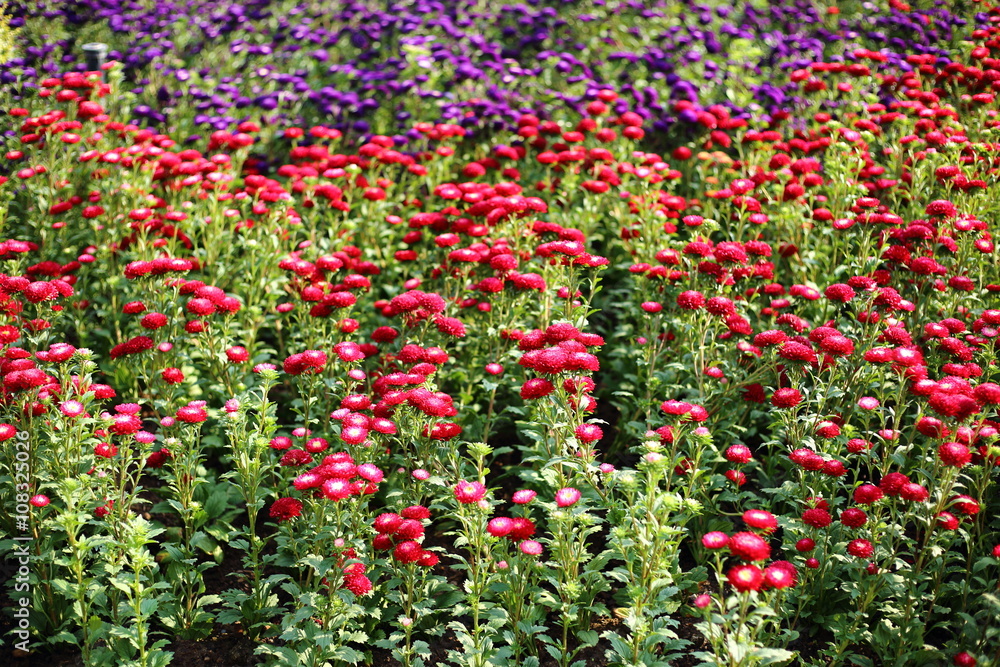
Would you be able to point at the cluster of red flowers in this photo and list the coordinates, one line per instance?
(337, 477)
(403, 534)
(752, 549)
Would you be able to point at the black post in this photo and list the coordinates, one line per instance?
(95, 53)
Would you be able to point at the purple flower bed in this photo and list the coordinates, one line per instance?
(369, 69)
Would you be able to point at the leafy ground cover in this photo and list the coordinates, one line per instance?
(451, 333)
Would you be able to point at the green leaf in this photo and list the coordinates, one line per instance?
(772, 656)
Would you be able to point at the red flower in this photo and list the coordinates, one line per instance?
(567, 497)
(761, 520)
(536, 388)
(749, 547)
(954, 454)
(418, 512)
(191, 414)
(860, 548)
(500, 526)
(387, 523)
(521, 529)
(965, 505)
(738, 454)
(914, 492)
(866, 494)
(795, 351)
(892, 484)
(691, 300)
(172, 375)
(786, 398)
(284, 509)
(746, 578)
(839, 292)
(358, 584)
(450, 326)
(947, 520)
(780, 574)
(310, 361)
(817, 518)
(853, 517)
(407, 552)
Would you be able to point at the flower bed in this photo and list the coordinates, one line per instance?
(501, 384)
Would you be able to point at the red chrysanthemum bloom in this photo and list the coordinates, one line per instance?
(827, 429)
(795, 351)
(839, 292)
(892, 484)
(860, 548)
(358, 584)
(691, 300)
(418, 512)
(749, 547)
(786, 397)
(407, 552)
(954, 454)
(761, 520)
(913, 492)
(500, 526)
(805, 545)
(942, 208)
(523, 529)
(947, 520)
(387, 523)
(866, 494)
(190, 414)
(172, 375)
(536, 388)
(780, 574)
(738, 454)
(745, 578)
(817, 518)
(409, 529)
(966, 505)
(284, 509)
(450, 326)
(853, 517)
(567, 496)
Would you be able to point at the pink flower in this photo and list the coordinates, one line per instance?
(868, 403)
(500, 526)
(71, 408)
(469, 492)
(523, 496)
(715, 540)
(567, 497)
(531, 548)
